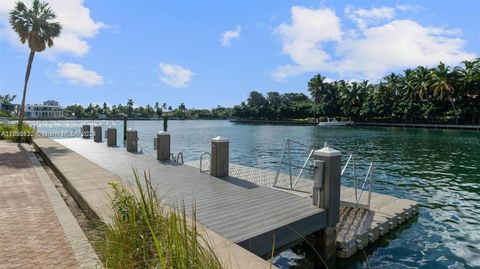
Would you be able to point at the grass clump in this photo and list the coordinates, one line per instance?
(146, 234)
(9, 131)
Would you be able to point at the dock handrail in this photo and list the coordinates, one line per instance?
(180, 157)
(367, 181)
(352, 161)
(287, 150)
(201, 161)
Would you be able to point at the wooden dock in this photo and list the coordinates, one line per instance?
(248, 214)
(358, 226)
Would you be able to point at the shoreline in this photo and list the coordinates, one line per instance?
(275, 122)
(419, 125)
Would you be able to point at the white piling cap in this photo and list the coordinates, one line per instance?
(327, 152)
(163, 133)
(219, 139)
(131, 130)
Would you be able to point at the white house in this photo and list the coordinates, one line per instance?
(49, 110)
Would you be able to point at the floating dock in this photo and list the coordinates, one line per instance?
(358, 226)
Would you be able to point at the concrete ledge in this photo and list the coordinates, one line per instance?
(81, 247)
(88, 183)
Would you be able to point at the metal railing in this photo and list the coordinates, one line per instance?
(366, 182)
(178, 159)
(287, 153)
(350, 170)
(201, 161)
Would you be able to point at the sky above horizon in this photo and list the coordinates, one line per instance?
(209, 53)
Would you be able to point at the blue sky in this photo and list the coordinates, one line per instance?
(209, 53)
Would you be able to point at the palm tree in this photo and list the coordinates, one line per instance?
(421, 82)
(442, 82)
(36, 27)
(443, 85)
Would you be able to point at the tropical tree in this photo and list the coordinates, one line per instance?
(443, 86)
(36, 27)
(7, 99)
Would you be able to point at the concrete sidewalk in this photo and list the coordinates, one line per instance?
(37, 230)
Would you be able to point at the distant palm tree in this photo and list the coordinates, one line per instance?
(35, 26)
(421, 82)
(442, 82)
(443, 85)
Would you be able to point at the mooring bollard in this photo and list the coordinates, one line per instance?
(326, 195)
(163, 146)
(86, 131)
(112, 137)
(97, 133)
(219, 161)
(132, 140)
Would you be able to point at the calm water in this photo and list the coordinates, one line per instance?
(440, 169)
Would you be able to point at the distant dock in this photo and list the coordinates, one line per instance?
(275, 122)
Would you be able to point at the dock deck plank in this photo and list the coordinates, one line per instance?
(247, 214)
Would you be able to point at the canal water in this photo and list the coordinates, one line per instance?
(440, 169)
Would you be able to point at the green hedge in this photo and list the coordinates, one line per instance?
(9, 131)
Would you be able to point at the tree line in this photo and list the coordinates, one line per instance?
(130, 110)
(439, 94)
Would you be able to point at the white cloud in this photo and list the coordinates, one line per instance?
(175, 75)
(78, 26)
(409, 7)
(76, 74)
(230, 35)
(302, 40)
(377, 44)
(365, 17)
(399, 44)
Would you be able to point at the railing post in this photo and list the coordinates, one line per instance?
(86, 131)
(132, 140)
(97, 133)
(163, 146)
(328, 197)
(112, 137)
(219, 160)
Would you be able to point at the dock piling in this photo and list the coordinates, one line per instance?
(97, 133)
(124, 130)
(163, 146)
(326, 194)
(132, 140)
(86, 131)
(112, 137)
(220, 157)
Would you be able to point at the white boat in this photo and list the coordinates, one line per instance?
(334, 122)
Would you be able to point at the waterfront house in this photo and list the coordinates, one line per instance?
(50, 109)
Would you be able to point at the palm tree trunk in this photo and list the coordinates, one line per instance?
(27, 76)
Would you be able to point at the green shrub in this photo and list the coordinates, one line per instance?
(5, 114)
(146, 234)
(9, 131)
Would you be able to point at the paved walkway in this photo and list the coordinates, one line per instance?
(37, 229)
